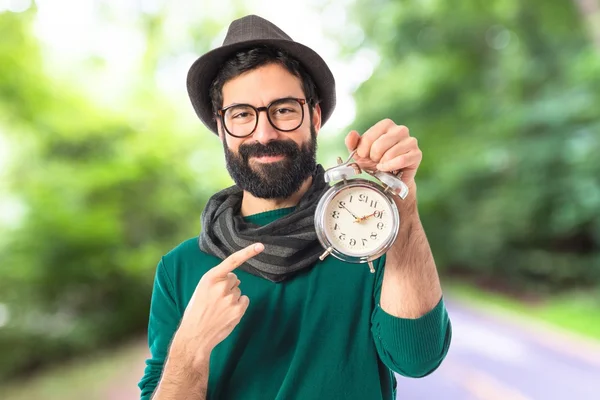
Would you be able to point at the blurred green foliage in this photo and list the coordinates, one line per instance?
(105, 194)
(504, 98)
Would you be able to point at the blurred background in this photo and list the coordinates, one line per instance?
(104, 167)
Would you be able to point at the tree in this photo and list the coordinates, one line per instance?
(106, 193)
(503, 98)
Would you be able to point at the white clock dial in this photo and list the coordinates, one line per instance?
(358, 221)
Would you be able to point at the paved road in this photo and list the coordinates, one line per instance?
(499, 358)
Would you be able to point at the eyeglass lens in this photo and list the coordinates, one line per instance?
(284, 114)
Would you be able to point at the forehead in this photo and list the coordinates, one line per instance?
(262, 85)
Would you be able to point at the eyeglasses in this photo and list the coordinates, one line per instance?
(241, 120)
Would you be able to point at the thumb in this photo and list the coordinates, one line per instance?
(352, 140)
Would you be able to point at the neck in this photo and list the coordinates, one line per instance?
(254, 205)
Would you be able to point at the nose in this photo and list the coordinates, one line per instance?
(265, 132)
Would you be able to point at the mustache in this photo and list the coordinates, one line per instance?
(271, 149)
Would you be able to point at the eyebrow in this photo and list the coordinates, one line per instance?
(270, 102)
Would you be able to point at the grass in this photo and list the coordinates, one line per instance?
(90, 378)
(577, 312)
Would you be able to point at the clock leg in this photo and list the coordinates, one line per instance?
(327, 252)
(371, 267)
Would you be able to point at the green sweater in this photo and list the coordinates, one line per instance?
(319, 335)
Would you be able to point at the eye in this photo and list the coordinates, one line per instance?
(284, 110)
(241, 114)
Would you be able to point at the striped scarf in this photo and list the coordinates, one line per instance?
(291, 243)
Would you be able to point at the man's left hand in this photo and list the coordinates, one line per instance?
(387, 147)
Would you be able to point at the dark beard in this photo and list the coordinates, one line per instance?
(276, 180)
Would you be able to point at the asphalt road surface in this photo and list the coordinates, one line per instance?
(496, 357)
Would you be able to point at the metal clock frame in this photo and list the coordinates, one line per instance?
(320, 222)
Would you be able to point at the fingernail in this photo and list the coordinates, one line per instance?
(259, 247)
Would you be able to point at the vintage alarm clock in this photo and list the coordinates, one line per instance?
(357, 219)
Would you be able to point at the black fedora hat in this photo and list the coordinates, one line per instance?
(244, 33)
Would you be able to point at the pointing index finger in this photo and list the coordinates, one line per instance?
(237, 259)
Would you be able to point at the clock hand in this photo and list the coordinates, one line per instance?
(366, 217)
(344, 207)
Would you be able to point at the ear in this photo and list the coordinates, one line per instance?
(316, 118)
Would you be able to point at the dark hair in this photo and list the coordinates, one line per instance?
(249, 59)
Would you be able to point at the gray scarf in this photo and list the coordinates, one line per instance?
(291, 243)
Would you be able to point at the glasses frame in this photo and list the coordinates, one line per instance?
(222, 111)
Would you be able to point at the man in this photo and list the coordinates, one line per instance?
(285, 325)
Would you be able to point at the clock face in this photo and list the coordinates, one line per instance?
(359, 220)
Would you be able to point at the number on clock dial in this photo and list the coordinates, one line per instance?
(357, 222)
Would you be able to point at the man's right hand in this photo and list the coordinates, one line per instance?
(215, 309)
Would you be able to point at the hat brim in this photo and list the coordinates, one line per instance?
(204, 70)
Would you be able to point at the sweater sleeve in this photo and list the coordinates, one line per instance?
(163, 322)
(410, 347)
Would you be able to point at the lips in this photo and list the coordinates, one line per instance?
(267, 159)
